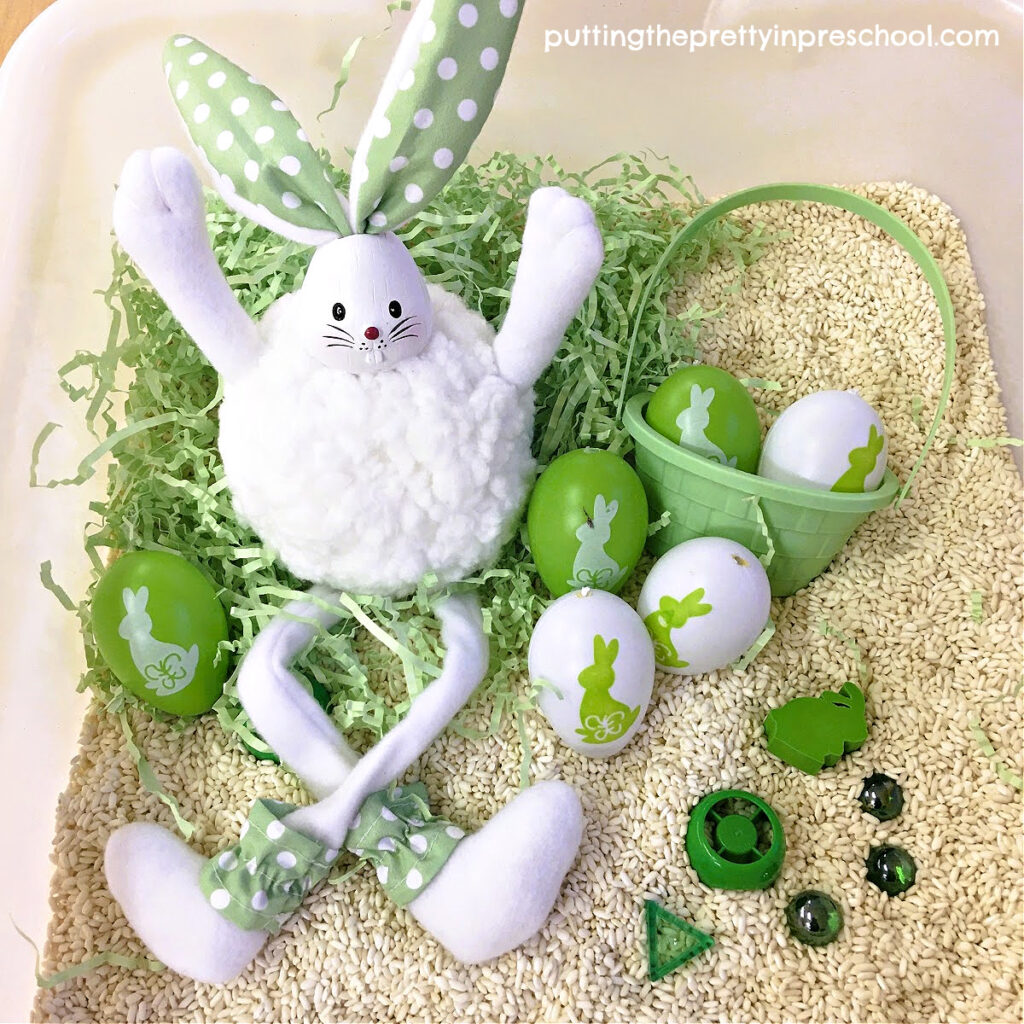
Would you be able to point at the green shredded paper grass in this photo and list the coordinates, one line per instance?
(151, 399)
(109, 956)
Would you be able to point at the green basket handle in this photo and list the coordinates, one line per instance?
(895, 228)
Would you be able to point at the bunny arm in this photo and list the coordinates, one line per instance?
(560, 259)
(160, 220)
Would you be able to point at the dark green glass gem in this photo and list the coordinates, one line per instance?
(814, 918)
(891, 868)
(881, 797)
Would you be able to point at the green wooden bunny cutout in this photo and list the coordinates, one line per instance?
(862, 463)
(812, 733)
(672, 614)
(604, 719)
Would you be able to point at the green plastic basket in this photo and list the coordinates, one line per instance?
(795, 531)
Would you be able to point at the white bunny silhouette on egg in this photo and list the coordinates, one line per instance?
(167, 668)
(693, 422)
(593, 566)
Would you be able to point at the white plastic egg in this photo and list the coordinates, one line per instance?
(704, 603)
(592, 648)
(832, 440)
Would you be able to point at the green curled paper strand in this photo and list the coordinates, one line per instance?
(434, 101)
(259, 153)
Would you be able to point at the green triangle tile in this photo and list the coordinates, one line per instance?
(671, 942)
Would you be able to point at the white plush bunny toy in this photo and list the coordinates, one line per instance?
(373, 430)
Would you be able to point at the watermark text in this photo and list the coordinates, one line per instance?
(754, 37)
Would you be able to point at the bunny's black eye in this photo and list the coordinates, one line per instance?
(338, 311)
(395, 308)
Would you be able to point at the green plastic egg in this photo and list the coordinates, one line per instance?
(709, 412)
(587, 522)
(158, 622)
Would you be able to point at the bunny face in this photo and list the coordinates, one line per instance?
(363, 306)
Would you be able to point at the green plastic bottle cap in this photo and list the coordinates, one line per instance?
(735, 841)
(737, 835)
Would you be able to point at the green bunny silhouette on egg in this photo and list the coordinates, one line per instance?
(862, 463)
(604, 719)
(672, 614)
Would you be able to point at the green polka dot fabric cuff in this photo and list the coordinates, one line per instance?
(407, 845)
(259, 882)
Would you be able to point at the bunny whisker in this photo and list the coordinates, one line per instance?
(411, 332)
(339, 330)
(408, 323)
(340, 344)
(399, 324)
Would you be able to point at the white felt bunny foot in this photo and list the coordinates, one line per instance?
(498, 887)
(155, 878)
(160, 220)
(561, 256)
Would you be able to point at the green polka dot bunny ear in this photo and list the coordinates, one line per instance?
(260, 158)
(435, 99)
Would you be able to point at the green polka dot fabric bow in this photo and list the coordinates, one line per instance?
(435, 99)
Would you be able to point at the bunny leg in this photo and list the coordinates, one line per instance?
(280, 708)
(499, 885)
(160, 220)
(154, 876)
(465, 664)
(561, 256)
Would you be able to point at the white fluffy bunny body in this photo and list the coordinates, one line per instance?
(373, 431)
(420, 469)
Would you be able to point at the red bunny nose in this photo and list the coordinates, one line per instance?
(372, 333)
